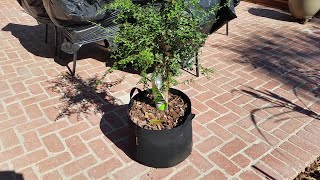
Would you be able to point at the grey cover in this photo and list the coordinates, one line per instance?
(36, 9)
(75, 13)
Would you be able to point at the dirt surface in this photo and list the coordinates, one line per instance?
(144, 113)
(311, 172)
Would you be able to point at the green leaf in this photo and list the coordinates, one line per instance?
(162, 107)
(159, 37)
(155, 122)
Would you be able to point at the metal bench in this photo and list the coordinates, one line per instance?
(77, 37)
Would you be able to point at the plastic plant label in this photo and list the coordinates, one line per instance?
(161, 105)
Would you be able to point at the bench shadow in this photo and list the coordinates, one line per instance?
(32, 38)
(271, 14)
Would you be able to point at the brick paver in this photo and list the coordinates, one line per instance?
(256, 117)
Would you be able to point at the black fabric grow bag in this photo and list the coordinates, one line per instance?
(163, 148)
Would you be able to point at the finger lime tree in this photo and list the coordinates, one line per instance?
(159, 35)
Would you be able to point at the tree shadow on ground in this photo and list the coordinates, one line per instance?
(291, 58)
(85, 97)
(285, 107)
(10, 175)
(288, 57)
(275, 101)
(271, 13)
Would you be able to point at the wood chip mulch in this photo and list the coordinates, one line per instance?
(311, 172)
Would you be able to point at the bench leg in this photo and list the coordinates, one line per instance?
(55, 40)
(106, 43)
(227, 29)
(197, 65)
(46, 40)
(74, 64)
(60, 44)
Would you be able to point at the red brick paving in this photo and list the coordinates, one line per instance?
(266, 71)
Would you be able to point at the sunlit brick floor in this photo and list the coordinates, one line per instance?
(256, 118)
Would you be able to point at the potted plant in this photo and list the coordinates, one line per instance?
(161, 36)
(304, 10)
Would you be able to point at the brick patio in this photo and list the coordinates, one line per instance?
(256, 118)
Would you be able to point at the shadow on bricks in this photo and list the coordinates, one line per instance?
(84, 97)
(292, 58)
(119, 131)
(265, 174)
(32, 38)
(271, 13)
(95, 51)
(275, 101)
(10, 175)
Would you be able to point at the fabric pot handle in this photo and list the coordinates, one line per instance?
(190, 117)
(133, 90)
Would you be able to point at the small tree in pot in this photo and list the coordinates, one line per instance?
(162, 36)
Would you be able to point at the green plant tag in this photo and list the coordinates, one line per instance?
(162, 107)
